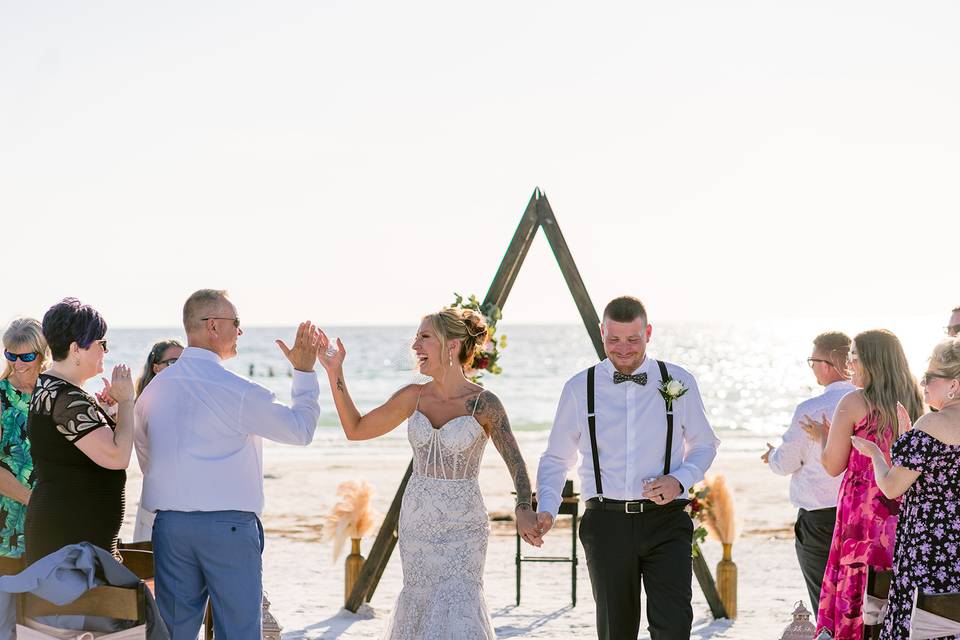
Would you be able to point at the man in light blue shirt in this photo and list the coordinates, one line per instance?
(812, 490)
(199, 430)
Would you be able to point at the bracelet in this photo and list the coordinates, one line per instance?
(520, 504)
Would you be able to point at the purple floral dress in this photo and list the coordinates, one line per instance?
(864, 535)
(928, 537)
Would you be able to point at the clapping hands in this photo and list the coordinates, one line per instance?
(304, 351)
(118, 389)
(816, 429)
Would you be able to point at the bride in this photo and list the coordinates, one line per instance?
(443, 521)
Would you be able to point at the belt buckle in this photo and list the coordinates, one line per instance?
(626, 507)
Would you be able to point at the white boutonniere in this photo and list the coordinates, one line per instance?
(671, 389)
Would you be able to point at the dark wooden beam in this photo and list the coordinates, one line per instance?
(515, 255)
(380, 552)
(570, 273)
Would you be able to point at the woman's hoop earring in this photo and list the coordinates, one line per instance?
(951, 395)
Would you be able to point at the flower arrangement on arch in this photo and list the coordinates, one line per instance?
(698, 510)
(486, 360)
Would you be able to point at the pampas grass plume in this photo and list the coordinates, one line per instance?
(720, 518)
(351, 516)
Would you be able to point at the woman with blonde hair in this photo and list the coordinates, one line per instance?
(26, 355)
(924, 469)
(883, 406)
(443, 522)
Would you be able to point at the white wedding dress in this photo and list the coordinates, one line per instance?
(443, 535)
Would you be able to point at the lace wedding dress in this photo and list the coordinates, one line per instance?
(443, 535)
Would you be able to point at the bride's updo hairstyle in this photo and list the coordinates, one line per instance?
(465, 325)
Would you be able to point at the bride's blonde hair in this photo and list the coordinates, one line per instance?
(465, 325)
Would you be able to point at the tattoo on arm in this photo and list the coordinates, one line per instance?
(491, 411)
(340, 384)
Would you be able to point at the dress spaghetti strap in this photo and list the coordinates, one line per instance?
(419, 393)
(476, 402)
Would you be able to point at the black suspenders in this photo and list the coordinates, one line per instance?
(592, 423)
(666, 455)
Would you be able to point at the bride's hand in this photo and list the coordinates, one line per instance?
(527, 527)
(330, 360)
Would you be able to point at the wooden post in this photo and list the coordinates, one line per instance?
(538, 214)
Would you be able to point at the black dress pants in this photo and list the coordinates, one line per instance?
(625, 551)
(814, 532)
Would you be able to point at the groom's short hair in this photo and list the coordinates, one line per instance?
(625, 309)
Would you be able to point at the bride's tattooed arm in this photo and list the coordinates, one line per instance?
(493, 417)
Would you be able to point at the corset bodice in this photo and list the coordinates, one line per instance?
(450, 452)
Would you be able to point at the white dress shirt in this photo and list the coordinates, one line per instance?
(199, 429)
(811, 487)
(631, 436)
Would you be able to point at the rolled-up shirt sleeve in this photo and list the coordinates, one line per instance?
(700, 441)
(788, 457)
(561, 453)
(262, 414)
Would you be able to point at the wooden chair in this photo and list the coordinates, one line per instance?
(138, 557)
(122, 603)
(11, 566)
(945, 605)
(878, 587)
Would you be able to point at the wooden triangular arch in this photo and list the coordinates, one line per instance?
(538, 215)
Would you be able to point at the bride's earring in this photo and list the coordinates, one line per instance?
(450, 357)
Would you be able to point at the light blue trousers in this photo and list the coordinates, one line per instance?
(215, 553)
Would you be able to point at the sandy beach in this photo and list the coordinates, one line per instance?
(306, 588)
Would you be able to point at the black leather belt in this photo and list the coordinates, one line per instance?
(633, 506)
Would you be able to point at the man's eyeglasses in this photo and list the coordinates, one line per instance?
(930, 375)
(953, 330)
(168, 361)
(811, 361)
(236, 321)
(26, 357)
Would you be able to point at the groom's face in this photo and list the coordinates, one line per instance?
(625, 343)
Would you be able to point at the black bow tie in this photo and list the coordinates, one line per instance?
(640, 378)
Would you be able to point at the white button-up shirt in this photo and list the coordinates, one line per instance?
(631, 436)
(199, 429)
(811, 487)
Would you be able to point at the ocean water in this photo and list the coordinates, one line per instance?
(750, 376)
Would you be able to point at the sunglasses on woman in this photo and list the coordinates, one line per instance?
(929, 376)
(26, 357)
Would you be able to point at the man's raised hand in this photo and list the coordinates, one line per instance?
(304, 351)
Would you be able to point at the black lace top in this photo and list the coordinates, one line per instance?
(74, 499)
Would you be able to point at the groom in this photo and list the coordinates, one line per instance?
(638, 463)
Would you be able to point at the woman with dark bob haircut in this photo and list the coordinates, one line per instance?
(79, 453)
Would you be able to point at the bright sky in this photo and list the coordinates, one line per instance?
(357, 162)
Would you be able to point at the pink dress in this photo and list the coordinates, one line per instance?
(864, 535)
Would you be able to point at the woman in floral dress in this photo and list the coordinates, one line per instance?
(925, 469)
(25, 354)
(887, 400)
